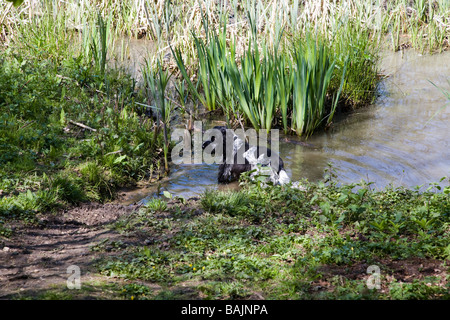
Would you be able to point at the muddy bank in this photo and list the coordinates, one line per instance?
(36, 258)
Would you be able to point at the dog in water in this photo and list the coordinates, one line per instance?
(238, 157)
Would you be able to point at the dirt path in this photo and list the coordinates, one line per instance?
(36, 258)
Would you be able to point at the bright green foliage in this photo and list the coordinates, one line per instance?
(312, 80)
(47, 90)
(16, 2)
(284, 242)
(267, 83)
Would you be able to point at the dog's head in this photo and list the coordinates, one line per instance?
(213, 139)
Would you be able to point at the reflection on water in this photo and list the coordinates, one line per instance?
(131, 53)
(187, 181)
(391, 142)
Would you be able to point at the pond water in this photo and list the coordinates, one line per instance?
(394, 141)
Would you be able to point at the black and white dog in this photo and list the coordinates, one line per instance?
(238, 157)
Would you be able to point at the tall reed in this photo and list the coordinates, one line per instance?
(315, 67)
(172, 21)
(213, 58)
(156, 81)
(267, 82)
(98, 37)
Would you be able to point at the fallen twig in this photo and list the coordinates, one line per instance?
(114, 152)
(27, 124)
(82, 126)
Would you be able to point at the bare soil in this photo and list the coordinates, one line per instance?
(36, 257)
(406, 270)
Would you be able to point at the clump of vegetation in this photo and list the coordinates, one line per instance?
(70, 129)
(298, 85)
(156, 82)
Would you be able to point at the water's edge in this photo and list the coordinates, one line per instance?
(392, 142)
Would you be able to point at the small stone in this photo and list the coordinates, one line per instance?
(317, 288)
(6, 249)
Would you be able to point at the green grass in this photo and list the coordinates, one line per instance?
(284, 243)
(92, 290)
(69, 130)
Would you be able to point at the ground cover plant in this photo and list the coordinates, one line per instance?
(70, 131)
(316, 242)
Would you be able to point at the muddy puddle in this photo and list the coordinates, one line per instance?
(396, 141)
